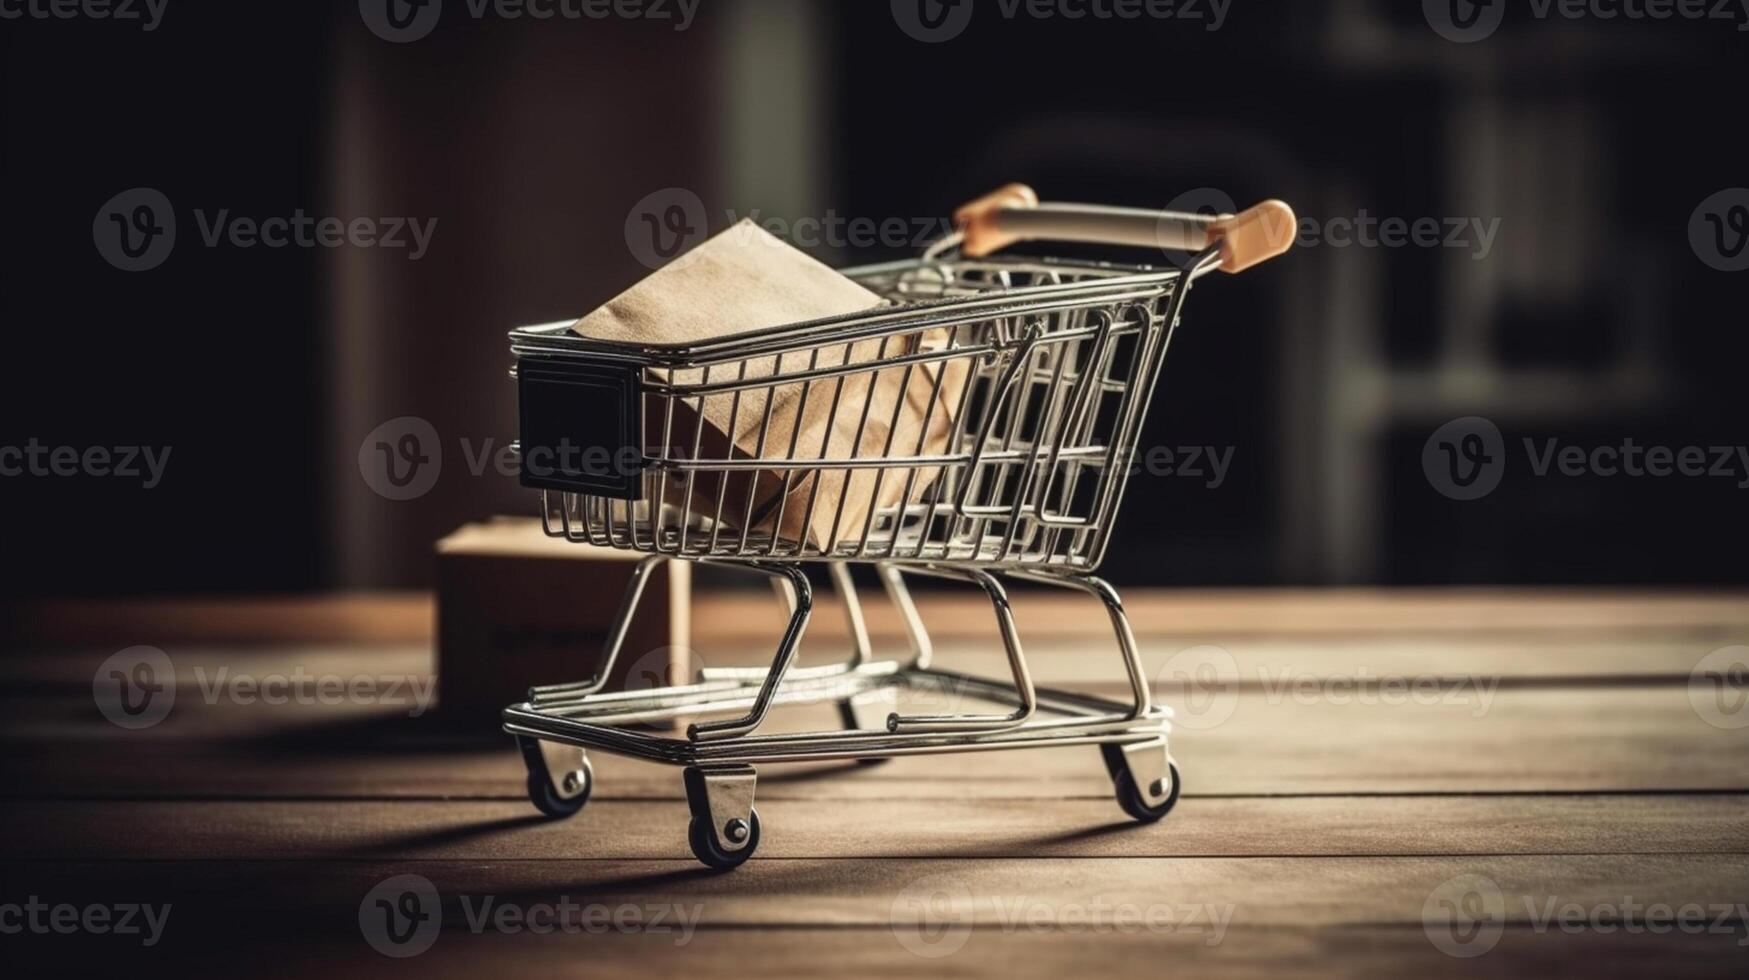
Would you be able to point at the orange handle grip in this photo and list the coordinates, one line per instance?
(1013, 213)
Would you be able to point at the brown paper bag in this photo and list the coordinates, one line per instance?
(830, 506)
(745, 279)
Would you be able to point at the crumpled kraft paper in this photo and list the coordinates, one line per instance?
(745, 279)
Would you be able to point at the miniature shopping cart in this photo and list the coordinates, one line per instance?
(1041, 372)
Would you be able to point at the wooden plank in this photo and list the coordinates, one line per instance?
(1259, 662)
(1248, 660)
(345, 617)
(1528, 739)
(627, 829)
(1262, 662)
(1242, 953)
(727, 614)
(855, 893)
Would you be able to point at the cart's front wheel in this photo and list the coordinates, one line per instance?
(565, 799)
(1137, 804)
(709, 850)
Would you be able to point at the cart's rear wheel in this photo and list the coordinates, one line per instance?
(563, 800)
(1134, 803)
(709, 850)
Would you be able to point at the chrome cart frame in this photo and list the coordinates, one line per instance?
(1041, 372)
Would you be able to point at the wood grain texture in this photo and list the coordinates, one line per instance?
(1000, 828)
(408, 616)
(1327, 892)
(1554, 750)
(1563, 739)
(1242, 953)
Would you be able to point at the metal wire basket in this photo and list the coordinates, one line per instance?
(1034, 377)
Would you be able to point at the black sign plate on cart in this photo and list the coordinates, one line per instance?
(582, 427)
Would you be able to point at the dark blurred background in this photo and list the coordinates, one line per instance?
(1588, 145)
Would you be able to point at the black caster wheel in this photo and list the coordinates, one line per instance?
(1129, 796)
(706, 848)
(563, 801)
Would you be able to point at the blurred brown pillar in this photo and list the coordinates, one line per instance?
(528, 141)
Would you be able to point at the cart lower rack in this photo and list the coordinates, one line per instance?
(1037, 375)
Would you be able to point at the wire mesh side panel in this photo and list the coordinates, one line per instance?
(994, 439)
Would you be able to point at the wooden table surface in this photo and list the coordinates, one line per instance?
(1356, 765)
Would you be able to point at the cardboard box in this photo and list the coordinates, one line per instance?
(516, 608)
